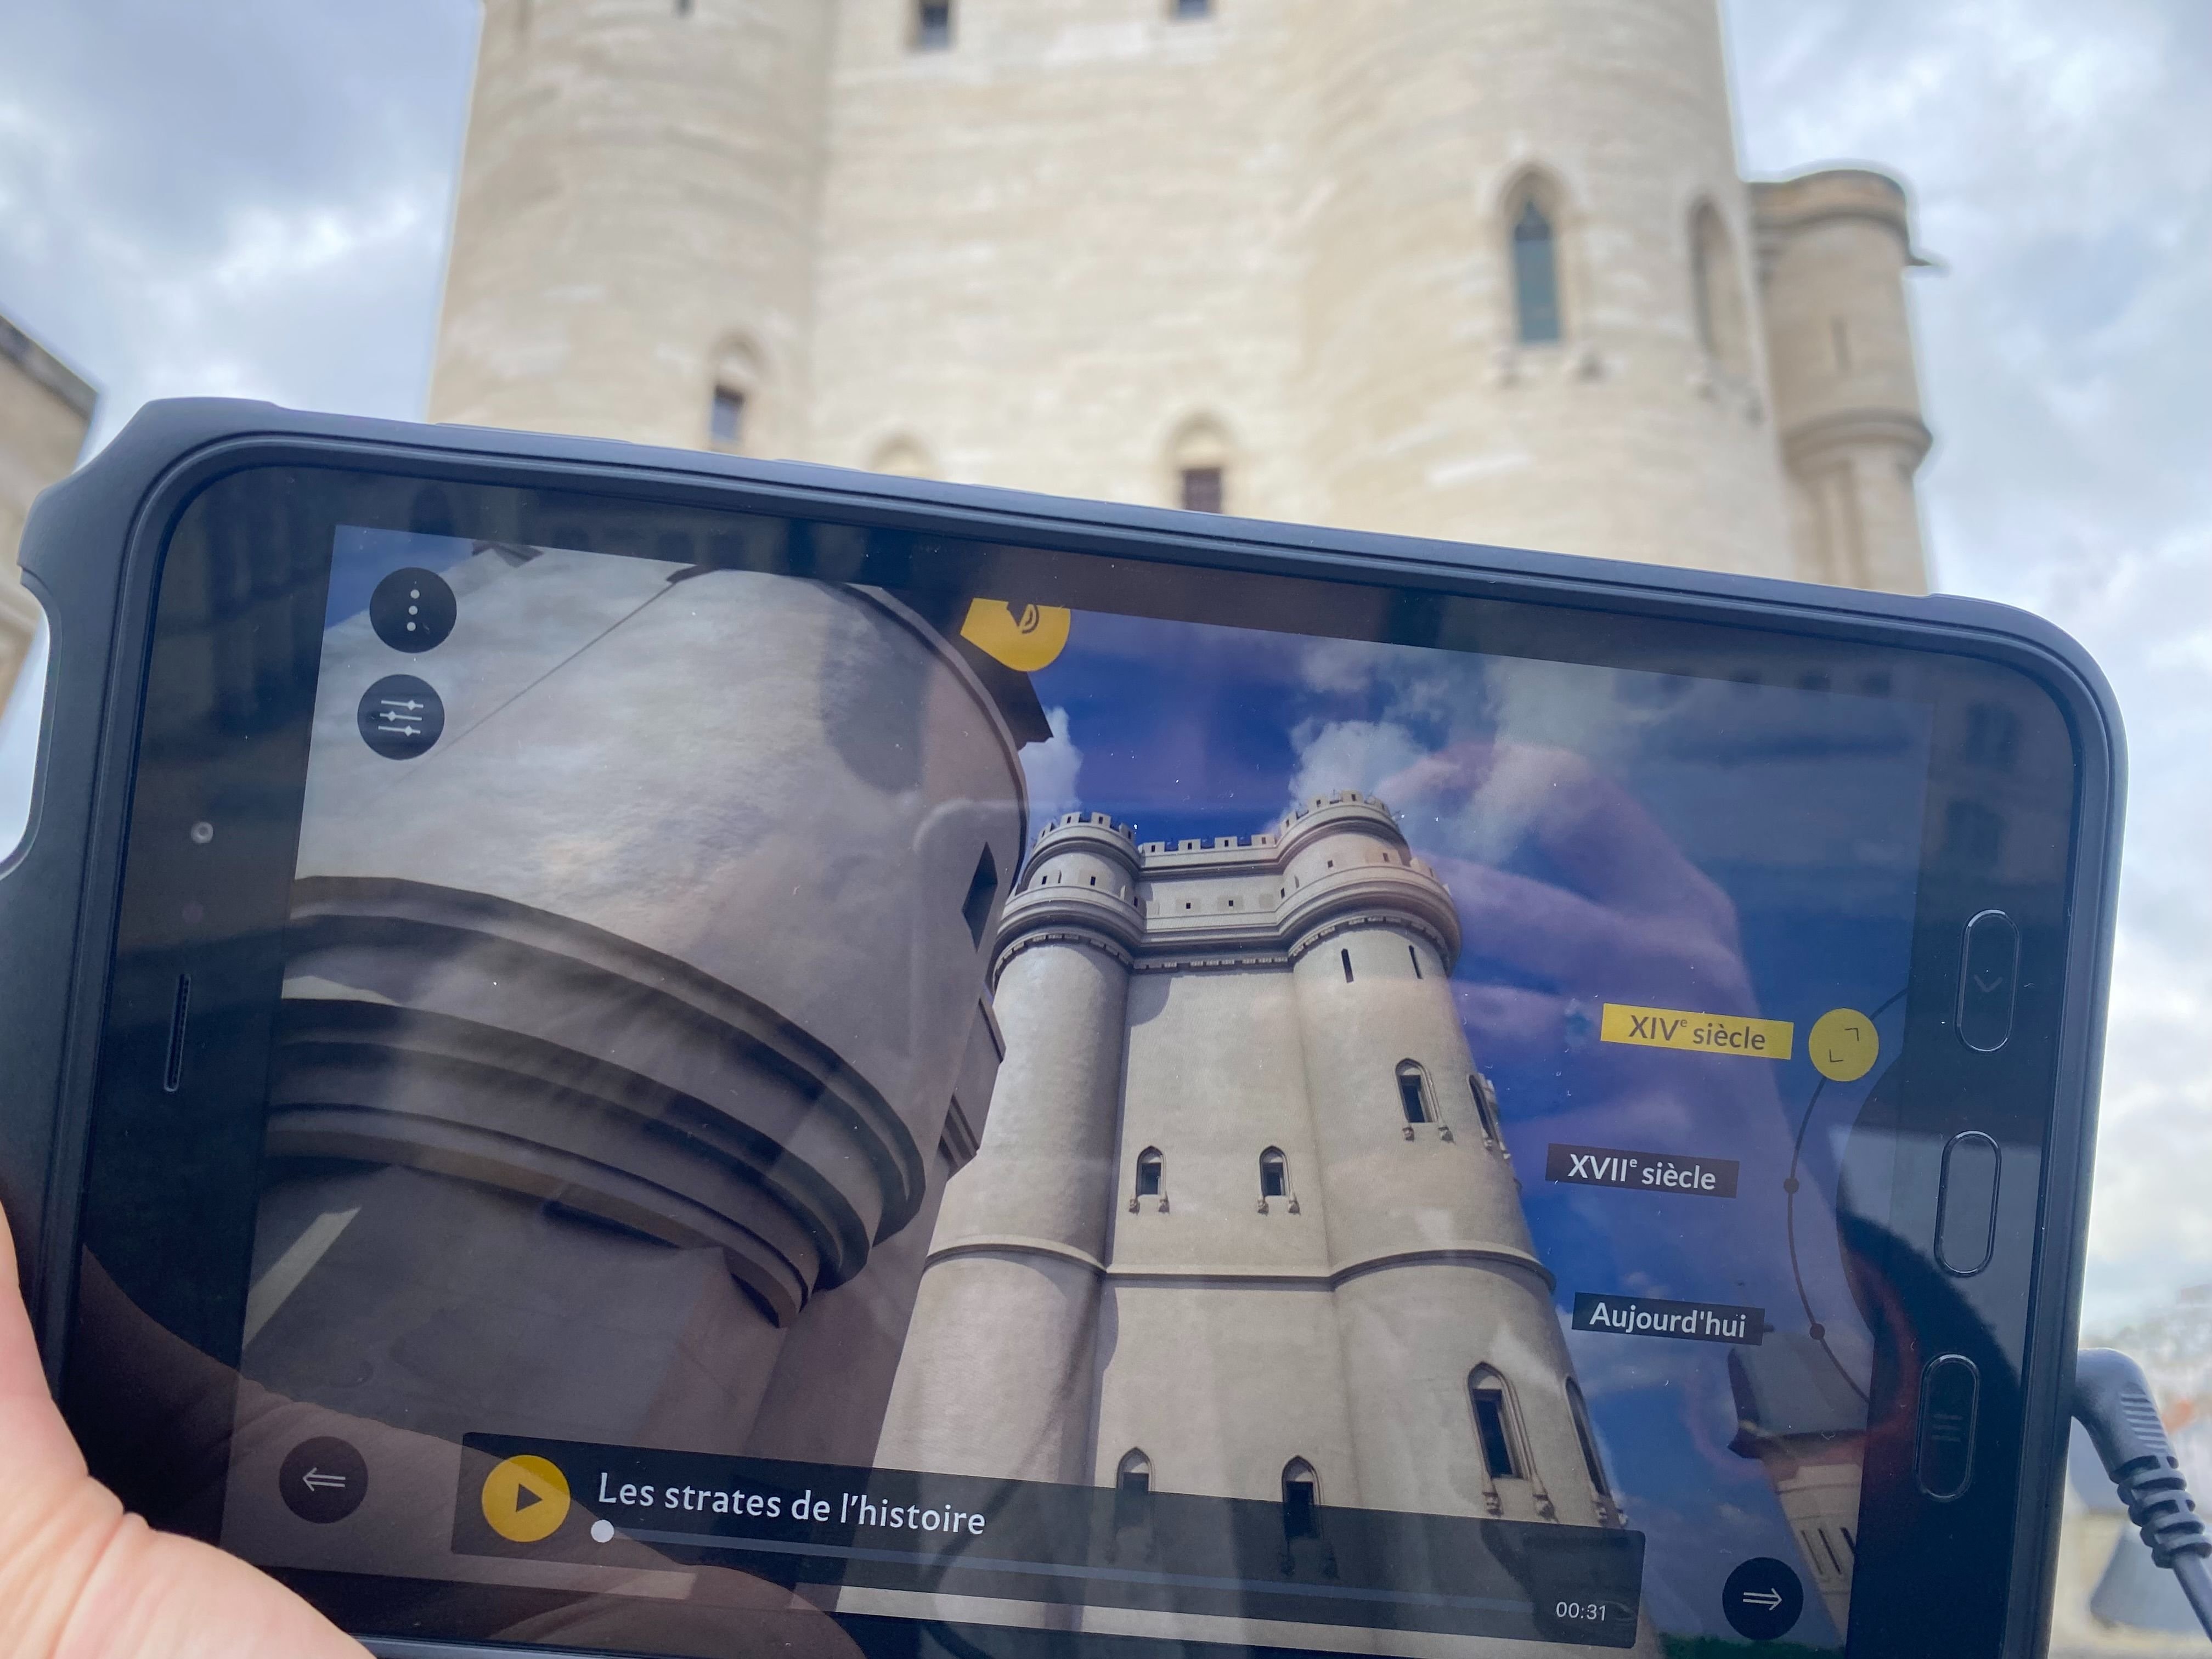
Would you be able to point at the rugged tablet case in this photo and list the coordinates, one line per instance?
(91, 555)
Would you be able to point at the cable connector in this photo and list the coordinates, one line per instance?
(2114, 1402)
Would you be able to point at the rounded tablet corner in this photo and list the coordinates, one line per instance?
(24, 700)
(2060, 664)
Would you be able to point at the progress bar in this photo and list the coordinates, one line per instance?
(1054, 1570)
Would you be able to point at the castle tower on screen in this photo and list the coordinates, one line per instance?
(1242, 1222)
(1479, 269)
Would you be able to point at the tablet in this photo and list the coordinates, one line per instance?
(673, 1057)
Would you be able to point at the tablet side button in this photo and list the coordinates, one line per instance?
(1988, 977)
(1950, 1395)
(1966, 1210)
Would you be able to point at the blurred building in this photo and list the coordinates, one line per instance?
(45, 408)
(1483, 270)
(1805, 1421)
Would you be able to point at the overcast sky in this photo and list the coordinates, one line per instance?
(252, 198)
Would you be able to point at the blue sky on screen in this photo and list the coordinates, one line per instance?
(1803, 807)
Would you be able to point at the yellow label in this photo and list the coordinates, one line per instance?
(1024, 637)
(1703, 1034)
(1843, 1045)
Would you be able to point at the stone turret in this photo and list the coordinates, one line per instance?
(1834, 249)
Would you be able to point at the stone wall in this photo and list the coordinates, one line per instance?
(44, 409)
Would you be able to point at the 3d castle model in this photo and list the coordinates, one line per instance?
(1484, 269)
(630, 1034)
(1242, 1223)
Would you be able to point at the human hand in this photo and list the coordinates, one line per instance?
(82, 1579)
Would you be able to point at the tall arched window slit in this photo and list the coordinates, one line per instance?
(1414, 1099)
(1536, 311)
(1134, 1472)
(1497, 1432)
(1717, 293)
(1152, 1179)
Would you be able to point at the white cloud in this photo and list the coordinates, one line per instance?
(248, 200)
(2056, 158)
(1050, 769)
(1351, 755)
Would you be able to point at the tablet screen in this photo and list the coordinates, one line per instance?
(867, 1118)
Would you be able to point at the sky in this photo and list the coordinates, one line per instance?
(253, 199)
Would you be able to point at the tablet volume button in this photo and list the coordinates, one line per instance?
(1989, 979)
(1950, 1399)
(1967, 1208)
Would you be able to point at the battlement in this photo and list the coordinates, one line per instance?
(1088, 822)
(1234, 898)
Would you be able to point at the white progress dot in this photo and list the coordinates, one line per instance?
(602, 1531)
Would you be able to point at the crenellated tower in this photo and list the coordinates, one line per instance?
(1238, 1137)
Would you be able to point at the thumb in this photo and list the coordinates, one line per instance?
(81, 1579)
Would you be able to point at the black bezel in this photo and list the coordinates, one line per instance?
(1965, 1576)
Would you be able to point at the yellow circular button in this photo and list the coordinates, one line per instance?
(1844, 1045)
(526, 1499)
(1025, 637)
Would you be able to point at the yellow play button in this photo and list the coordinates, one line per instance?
(1025, 637)
(526, 1499)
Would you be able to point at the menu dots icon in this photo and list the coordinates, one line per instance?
(401, 717)
(413, 610)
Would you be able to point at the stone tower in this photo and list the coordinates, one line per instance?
(1478, 269)
(1241, 1219)
(647, 1087)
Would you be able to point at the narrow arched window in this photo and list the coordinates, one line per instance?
(1587, 1437)
(1301, 1498)
(932, 25)
(1721, 327)
(734, 402)
(1413, 1093)
(982, 891)
(725, 416)
(903, 457)
(1134, 1474)
(1199, 457)
(1485, 1105)
(1344, 957)
(1535, 275)
(1151, 1170)
(1494, 1425)
(1274, 1173)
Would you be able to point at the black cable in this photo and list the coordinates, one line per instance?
(2114, 1402)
